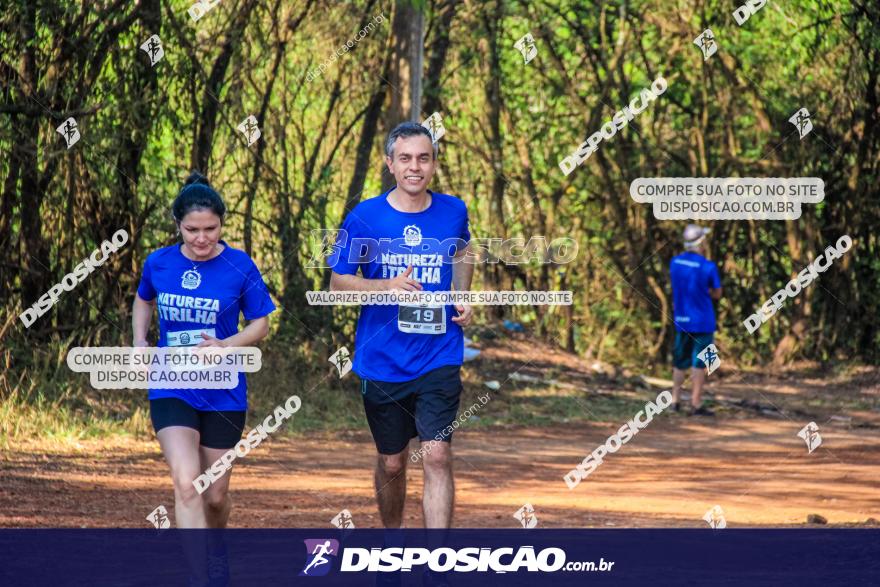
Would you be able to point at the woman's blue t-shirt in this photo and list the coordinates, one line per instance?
(196, 296)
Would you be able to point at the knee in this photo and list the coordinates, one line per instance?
(439, 459)
(216, 500)
(184, 489)
(392, 465)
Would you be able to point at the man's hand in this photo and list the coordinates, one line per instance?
(403, 281)
(465, 315)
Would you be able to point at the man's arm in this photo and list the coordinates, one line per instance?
(715, 293)
(462, 270)
(345, 282)
(462, 274)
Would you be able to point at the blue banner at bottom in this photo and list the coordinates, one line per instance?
(325, 557)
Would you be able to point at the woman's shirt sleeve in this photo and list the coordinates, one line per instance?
(255, 299)
(145, 290)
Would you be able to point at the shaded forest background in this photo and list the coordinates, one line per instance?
(508, 124)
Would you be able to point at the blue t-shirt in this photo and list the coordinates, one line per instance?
(692, 275)
(209, 299)
(382, 242)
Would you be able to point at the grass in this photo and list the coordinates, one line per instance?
(41, 400)
(536, 405)
(69, 410)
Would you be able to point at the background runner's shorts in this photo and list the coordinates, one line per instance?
(687, 346)
(217, 429)
(423, 407)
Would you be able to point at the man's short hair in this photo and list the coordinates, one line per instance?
(405, 130)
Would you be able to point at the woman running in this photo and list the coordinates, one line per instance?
(199, 286)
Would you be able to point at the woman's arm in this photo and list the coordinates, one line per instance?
(141, 314)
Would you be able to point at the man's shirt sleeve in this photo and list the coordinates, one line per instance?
(714, 279)
(465, 231)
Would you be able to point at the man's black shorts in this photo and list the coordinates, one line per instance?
(423, 407)
(216, 429)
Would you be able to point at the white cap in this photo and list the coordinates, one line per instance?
(694, 235)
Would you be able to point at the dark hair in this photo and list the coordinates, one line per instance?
(406, 130)
(197, 194)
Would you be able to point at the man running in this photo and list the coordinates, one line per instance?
(408, 356)
(319, 559)
(695, 283)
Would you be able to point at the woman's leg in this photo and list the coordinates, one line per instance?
(217, 503)
(180, 445)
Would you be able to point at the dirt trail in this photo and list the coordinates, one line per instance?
(668, 475)
(748, 460)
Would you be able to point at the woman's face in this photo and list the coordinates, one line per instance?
(200, 230)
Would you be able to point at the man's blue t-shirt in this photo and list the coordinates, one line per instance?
(382, 242)
(692, 275)
(196, 296)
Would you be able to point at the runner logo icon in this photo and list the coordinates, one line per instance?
(526, 516)
(706, 43)
(709, 356)
(526, 46)
(159, 518)
(801, 121)
(250, 129)
(715, 518)
(341, 359)
(70, 131)
(343, 520)
(434, 124)
(318, 559)
(810, 435)
(153, 48)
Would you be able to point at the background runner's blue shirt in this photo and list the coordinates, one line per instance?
(209, 298)
(692, 275)
(433, 236)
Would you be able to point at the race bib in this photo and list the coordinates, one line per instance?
(187, 337)
(422, 319)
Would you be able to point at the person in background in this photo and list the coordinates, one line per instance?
(695, 283)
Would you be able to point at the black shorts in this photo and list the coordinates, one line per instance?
(423, 407)
(687, 346)
(216, 429)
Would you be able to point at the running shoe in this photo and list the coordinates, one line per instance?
(703, 411)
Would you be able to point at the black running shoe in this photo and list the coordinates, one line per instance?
(703, 411)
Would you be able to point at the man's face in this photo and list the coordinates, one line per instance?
(413, 164)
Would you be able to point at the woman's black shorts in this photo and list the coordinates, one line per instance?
(217, 429)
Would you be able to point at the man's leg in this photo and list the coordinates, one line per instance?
(681, 360)
(391, 488)
(698, 375)
(677, 379)
(439, 494)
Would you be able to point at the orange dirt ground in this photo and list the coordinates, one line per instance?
(750, 463)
